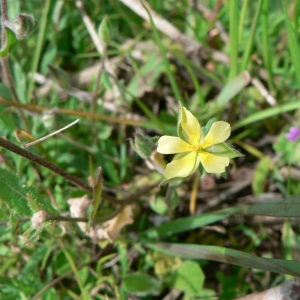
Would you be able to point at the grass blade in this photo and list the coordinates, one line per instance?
(247, 52)
(293, 44)
(230, 256)
(234, 36)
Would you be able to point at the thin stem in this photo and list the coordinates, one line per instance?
(4, 16)
(7, 75)
(70, 112)
(38, 160)
(64, 218)
(233, 31)
(75, 180)
(161, 47)
(83, 219)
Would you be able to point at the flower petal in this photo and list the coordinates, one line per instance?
(294, 134)
(172, 144)
(213, 163)
(182, 167)
(190, 126)
(218, 133)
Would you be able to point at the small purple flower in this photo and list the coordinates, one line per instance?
(294, 134)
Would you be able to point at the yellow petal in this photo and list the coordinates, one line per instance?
(191, 126)
(182, 167)
(213, 163)
(172, 144)
(218, 133)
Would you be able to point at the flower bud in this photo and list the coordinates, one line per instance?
(38, 219)
(24, 24)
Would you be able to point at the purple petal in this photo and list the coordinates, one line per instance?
(294, 134)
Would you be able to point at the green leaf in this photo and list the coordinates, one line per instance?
(233, 87)
(146, 77)
(288, 207)
(293, 44)
(230, 256)
(36, 232)
(143, 145)
(60, 77)
(267, 113)
(172, 181)
(159, 205)
(7, 121)
(33, 204)
(141, 284)
(104, 30)
(208, 126)
(5, 92)
(189, 223)
(106, 80)
(260, 175)
(97, 197)
(14, 193)
(223, 150)
(10, 42)
(188, 278)
(181, 118)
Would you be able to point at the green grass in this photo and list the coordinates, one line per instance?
(161, 246)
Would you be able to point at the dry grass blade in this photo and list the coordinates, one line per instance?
(51, 134)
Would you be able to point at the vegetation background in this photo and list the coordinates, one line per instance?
(121, 67)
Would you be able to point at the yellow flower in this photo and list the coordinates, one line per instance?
(192, 147)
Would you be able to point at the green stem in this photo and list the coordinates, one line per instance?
(267, 54)
(72, 264)
(233, 32)
(247, 52)
(38, 48)
(165, 59)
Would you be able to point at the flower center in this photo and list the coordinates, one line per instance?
(197, 148)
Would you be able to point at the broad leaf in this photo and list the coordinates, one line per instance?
(15, 194)
(141, 284)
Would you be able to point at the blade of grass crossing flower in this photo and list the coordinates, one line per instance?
(293, 44)
(173, 83)
(230, 256)
(234, 35)
(266, 51)
(247, 52)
